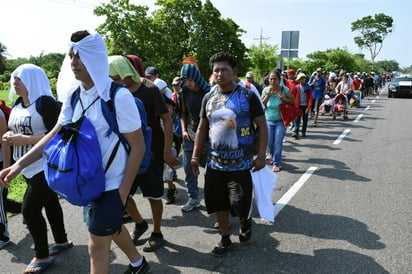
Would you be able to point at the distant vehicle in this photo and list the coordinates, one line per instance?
(400, 86)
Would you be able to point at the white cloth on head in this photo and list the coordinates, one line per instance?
(93, 54)
(34, 79)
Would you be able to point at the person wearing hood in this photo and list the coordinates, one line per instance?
(34, 114)
(193, 90)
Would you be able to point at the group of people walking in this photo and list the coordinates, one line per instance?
(228, 125)
(218, 129)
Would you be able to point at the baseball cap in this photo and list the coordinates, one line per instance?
(151, 71)
(291, 71)
(249, 74)
(160, 83)
(176, 81)
(319, 69)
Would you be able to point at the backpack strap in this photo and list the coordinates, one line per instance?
(109, 114)
(75, 97)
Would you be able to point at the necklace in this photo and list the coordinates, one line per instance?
(224, 97)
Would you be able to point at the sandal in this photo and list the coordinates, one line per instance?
(55, 248)
(153, 243)
(38, 267)
(275, 169)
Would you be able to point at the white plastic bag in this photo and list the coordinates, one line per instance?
(264, 182)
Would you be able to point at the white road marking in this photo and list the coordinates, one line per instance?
(284, 200)
(340, 138)
(358, 118)
(367, 108)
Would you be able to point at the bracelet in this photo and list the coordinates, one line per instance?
(195, 158)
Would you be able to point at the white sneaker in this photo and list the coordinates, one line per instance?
(190, 205)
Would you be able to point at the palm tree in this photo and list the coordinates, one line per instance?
(3, 51)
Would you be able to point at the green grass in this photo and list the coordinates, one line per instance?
(17, 188)
(4, 94)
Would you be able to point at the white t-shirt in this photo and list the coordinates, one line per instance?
(27, 121)
(128, 119)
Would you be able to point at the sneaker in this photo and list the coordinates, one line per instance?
(303, 134)
(4, 242)
(190, 205)
(138, 231)
(245, 231)
(171, 196)
(154, 242)
(295, 135)
(143, 268)
(222, 247)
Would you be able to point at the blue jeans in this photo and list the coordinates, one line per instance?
(277, 132)
(191, 179)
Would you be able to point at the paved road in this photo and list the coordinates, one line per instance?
(352, 215)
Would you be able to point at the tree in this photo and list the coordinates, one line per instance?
(263, 59)
(176, 30)
(388, 65)
(331, 60)
(3, 51)
(373, 32)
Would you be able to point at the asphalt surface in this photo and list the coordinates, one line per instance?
(350, 216)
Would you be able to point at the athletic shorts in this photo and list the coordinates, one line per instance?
(151, 182)
(103, 216)
(228, 191)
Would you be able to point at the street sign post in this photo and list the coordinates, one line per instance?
(290, 45)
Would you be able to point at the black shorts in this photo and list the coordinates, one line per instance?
(228, 191)
(150, 183)
(104, 215)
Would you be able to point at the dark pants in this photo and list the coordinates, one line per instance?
(11, 206)
(39, 195)
(305, 121)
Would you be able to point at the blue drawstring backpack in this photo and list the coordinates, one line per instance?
(72, 162)
(72, 159)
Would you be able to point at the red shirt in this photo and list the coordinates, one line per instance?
(356, 84)
(291, 84)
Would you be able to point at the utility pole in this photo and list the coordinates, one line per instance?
(261, 38)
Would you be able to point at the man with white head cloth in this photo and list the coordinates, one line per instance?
(88, 61)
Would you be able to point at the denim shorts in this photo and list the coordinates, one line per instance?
(103, 216)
